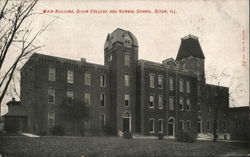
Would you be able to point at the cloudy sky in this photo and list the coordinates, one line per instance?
(218, 24)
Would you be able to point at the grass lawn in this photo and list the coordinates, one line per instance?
(21, 146)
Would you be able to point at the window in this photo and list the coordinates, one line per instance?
(198, 64)
(151, 101)
(51, 95)
(102, 120)
(52, 73)
(151, 125)
(181, 85)
(69, 123)
(87, 79)
(103, 81)
(102, 99)
(87, 97)
(181, 104)
(188, 104)
(171, 103)
(70, 96)
(208, 108)
(51, 118)
(182, 124)
(189, 123)
(171, 83)
(70, 76)
(160, 125)
(223, 126)
(198, 76)
(199, 107)
(188, 87)
(126, 76)
(152, 81)
(86, 124)
(160, 102)
(127, 41)
(198, 90)
(160, 82)
(110, 58)
(126, 99)
(208, 125)
(127, 60)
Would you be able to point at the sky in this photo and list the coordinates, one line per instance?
(219, 25)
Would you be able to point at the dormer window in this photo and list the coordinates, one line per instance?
(127, 40)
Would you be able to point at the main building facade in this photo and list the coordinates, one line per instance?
(125, 94)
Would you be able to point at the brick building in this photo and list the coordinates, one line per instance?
(240, 123)
(126, 94)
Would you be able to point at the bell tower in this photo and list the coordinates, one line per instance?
(190, 57)
(121, 55)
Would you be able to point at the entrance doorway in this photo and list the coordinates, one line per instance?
(171, 126)
(126, 122)
(199, 125)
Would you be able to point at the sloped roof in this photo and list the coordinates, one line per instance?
(170, 61)
(190, 46)
(15, 109)
(240, 109)
(118, 36)
(16, 113)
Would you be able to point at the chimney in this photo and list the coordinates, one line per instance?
(83, 60)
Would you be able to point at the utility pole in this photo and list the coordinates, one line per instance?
(216, 103)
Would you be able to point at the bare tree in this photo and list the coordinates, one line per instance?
(16, 38)
(223, 77)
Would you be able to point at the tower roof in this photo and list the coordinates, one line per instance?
(118, 36)
(190, 46)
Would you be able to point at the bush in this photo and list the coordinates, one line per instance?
(96, 132)
(11, 128)
(127, 135)
(42, 133)
(82, 132)
(186, 136)
(108, 130)
(160, 136)
(58, 130)
(2, 132)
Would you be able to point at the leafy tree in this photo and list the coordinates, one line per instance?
(76, 112)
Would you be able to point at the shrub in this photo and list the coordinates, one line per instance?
(11, 128)
(42, 133)
(160, 136)
(58, 130)
(95, 132)
(108, 130)
(82, 132)
(186, 136)
(2, 132)
(127, 135)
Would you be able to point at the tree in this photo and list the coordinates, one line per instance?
(76, 111)
(229, 78)
(16, 38)
(218, 77)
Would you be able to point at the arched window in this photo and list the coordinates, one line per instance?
(199, 122)
(171, 127)
(126, 115)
